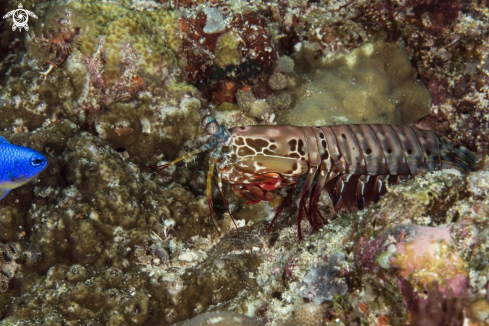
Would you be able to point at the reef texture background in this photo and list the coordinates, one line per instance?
(108, 89)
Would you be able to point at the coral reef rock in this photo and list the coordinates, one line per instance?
(108, 90)
(324, 282)
(373, 84)
(222, 319)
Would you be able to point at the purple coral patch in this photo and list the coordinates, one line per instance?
(323, 281)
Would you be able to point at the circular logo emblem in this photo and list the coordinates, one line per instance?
(20, 17)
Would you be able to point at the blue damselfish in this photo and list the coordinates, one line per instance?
(18, 165)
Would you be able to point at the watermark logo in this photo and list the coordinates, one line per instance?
(20, 17)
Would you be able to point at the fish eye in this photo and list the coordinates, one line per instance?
(37, 160)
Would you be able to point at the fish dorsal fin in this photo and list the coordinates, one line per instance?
(3, 140)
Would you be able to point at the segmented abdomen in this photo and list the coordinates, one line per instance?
(360, 159)
(387, 150)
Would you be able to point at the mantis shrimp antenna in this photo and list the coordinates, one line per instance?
(212, 128)
(220, 136)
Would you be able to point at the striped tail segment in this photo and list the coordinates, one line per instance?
(357, 161)
(354, 163)
(457, 157)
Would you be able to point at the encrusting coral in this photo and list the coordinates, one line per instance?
(422, 255)
(375, 83)
(151, 35)
(306, 314)
(82, 222)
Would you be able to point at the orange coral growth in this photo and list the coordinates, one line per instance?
(224, 92)
(382, 321)
(364, 307)
(184, 25)
(138, 82)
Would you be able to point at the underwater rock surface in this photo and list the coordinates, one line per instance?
(99, 239)
(222, 318)
(322, 283)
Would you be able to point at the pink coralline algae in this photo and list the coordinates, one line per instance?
(420, 255)
(127, 85)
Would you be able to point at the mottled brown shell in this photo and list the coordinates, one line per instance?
(351, 162)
